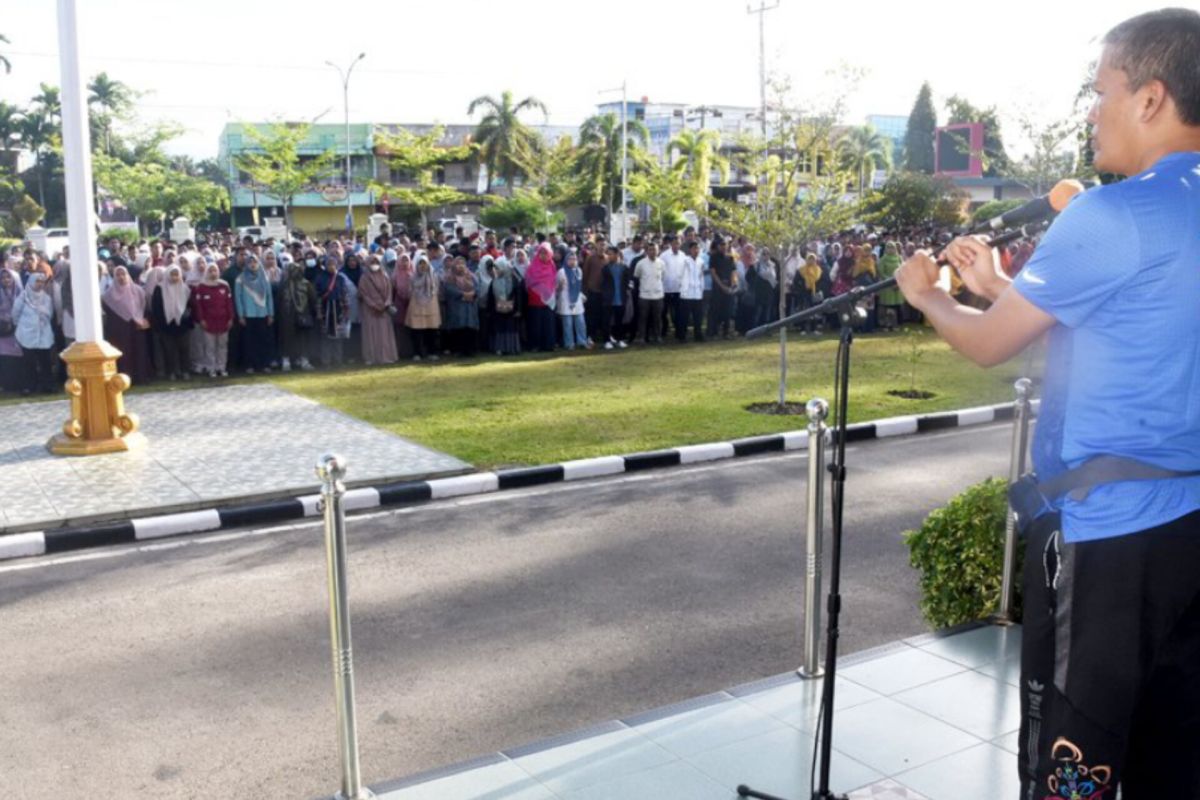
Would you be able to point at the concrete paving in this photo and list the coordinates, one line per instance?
(200, 667)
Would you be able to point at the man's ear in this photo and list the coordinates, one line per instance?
(1153, 100)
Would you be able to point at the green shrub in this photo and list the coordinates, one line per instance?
(959, 550)
(994, 209)
(125, 235)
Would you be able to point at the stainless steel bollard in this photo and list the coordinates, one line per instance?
(818, 435)
(331, 469)
(1016, 468)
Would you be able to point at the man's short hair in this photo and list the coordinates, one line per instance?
(1161, 45)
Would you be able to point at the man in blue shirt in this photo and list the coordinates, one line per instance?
(1110, 666)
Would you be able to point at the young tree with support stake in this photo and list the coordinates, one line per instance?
(789, 208)
(418, 156)
(278, 166)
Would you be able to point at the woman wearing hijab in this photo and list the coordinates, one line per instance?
(540, 280)
(212, 310)
(503, 296)
(424, 315)
(33, 314)
(170, 324)
(126, 326)
(806, 289)
(297, 305)
(462, 309)
(865, 273)
(764, 282)
(890, 300)
(483, 279)
(11, 371)
(255, 303)
(333, 313)
(570, 300)
(402, 276)
(375, 306)
(352, 271)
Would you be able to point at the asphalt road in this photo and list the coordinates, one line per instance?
(200, 667)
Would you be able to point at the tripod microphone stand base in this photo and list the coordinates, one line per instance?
(746, 791)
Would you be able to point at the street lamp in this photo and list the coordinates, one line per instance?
(624, 158)
(345, 76)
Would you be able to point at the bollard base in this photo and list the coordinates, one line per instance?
(1003, 620)
(808, 674)
(362, 794)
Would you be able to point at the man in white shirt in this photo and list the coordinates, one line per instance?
(631, 253)
(649, 274)
(672, 259)
(691, 295)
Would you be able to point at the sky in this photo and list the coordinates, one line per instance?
(203, 64)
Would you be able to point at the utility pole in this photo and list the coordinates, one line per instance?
(624, 152)
(762, 9)
(345, 76)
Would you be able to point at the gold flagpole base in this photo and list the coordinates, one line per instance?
(98, 422)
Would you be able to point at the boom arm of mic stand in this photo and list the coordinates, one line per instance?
(851, 297)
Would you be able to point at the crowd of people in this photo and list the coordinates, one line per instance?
(220, 305)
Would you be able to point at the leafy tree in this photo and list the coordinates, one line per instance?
(154, 192)
(417, 156)
(914, 200)
(1052, 153)
(864, 150)
(664, 193)
(27, 212)
(995, 158)
(918, 139)
(49, 102)
(699, 153)
(600, 154)
(525, 211)
(277, 165)
(790, 208)
(10, 125)
(113, 99)
(37, 133)
(555, 174)
(505, 143)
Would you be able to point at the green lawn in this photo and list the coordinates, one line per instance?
(539, 409)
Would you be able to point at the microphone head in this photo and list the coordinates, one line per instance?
(1064, 192)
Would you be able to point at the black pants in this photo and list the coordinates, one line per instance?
(1110, 663)
(720, 312)
(670, 314)
(689, 312)
(649, 320)
(257, 339)
(594, 314)
(425, 341)
(38, 367)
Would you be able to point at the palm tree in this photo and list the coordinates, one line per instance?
(10, 125)
(699, 154)
(36, 133)
(49, 102)
(4, 59)
(504, 141)
(864, 150)
(600, 152)
(112, 98)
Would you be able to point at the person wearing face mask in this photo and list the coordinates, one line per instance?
(10, 352)
(296, 303)
(352, 271)
(376, 308)
(255, 303)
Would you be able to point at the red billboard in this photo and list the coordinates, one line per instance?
(958, 150)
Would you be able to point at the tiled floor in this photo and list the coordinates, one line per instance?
(206, 446)
(924, 719)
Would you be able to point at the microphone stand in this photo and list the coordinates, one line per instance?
(844, 305)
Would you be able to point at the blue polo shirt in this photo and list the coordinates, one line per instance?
(1120, 272)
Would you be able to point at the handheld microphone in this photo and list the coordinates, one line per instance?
(1035, 210)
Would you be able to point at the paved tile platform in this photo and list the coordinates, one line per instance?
(928, 718)
(207, 447)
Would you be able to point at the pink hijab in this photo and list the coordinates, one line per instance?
(541, 274)
(129, 301)
(402, 277)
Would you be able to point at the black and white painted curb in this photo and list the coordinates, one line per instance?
(22, 545)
